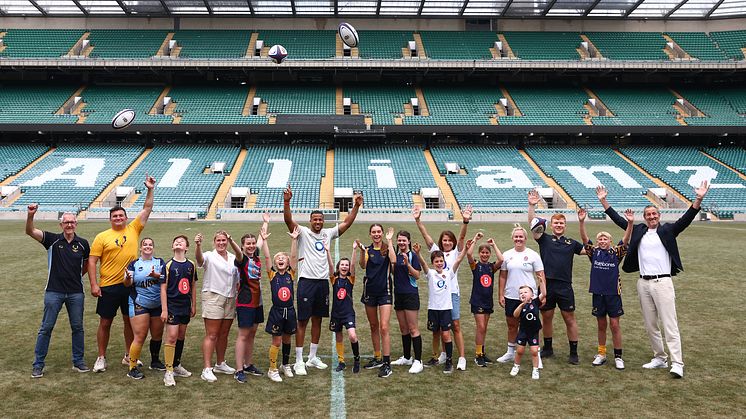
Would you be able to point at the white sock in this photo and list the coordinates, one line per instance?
(516, 365)
(298, 354)
(312, 352)
(511, 348)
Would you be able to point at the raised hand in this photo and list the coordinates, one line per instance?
(265, 217)
(357, 199)
(470, 243)
(198, 239)
(149, 181)
(358, 244)
(582, 213)
(702, 190)
(416, 248)
(265, 234)
(416, 212)
(478, 236)
(630, 215)
(491, 241)
(294, 234)
(287, 194)
(467, 212)
(601, 192)
(32, 208)
(533, 197)
(389, 234)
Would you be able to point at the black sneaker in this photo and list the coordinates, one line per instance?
(431, 363)
(384, 371)
(373, 363)
(356, 366)
(253, 370)
(135, 374)
(240, 376)
(157, 365)
(480, 361)
(547, 352)
(448, 367)
(573, 359)
(487, 360)
(341, 367)
(81, 367)
(37, 372)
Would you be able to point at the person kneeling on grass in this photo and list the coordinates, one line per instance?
(282, 321)
(528, 330)
(343, 312)
(439, 304)
(178, 306)
(606, 285)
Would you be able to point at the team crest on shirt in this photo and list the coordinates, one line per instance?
(341, 294)
(525, 258)
(485, 280)
(139, 268)
(568, 241)
(275, 328)
(75, 248)
(284, 294)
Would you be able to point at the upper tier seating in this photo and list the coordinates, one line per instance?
(103, 102)
(213, 104)
(629, 45)
(715, 106)
(544, 45)
(17, 156)
(731, 43)
(383, 44)
(34, 43)
(698, 45)
(382, 102)
(457, 45)
(302, 44)
(309, 99)
(213, 43)
(458, 105)
(637, 106)
(37, 103)
(125, 43)
(547, 106)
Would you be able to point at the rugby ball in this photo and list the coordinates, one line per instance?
(278, 53)
(123, 119)
(538, 225)
(348, 34)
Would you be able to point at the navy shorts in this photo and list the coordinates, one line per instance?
(135, 309)
(559, 293)
(376, 300)
(336, 323)
(510, 306)
(439, 320)
(249, 316)
(281, 321)
(410, 301)
(482, 310)
(607, 305)
(113, 298)
(313, 298)
(177, 319)
(527, 338)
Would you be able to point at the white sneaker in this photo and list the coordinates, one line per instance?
(274, 375)
(507, 357)
(461, 365)
(180, 371)
(100, 365)
(403, 361)
(442, 358)
(208, 375)
(541, 364)
(126, 361)
(514, 370)
(619, 363)
(300, 368)
(598, 360)
(316, 363)
(168, 379)
(535, 374)
(224, 368)
(287, 370)
(416, 367)
(656, 363)
(677, 370)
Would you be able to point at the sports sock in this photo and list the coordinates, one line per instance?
(436, 348)
(406, 344)
(273, 350)
(135, 350)
(312, 352)
(377, 355)
(479, 351)
(168, 352)
(356, 349)
(179, 351)
(547, 343)
(511, 348)
(417, 345)
(573, 347)
(617, 353)
(285, 353)
(155, 350)
(602, 350)
(298, 354)
(340, 352)
(449, 350)
(387, 359)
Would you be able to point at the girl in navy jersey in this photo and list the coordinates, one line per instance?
(483, 284)
(282, 320)
(378, 295)
(343, 313)
(406, 270)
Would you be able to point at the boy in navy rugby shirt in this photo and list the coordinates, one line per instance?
(528, 330)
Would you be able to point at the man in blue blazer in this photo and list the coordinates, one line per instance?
(653, 253)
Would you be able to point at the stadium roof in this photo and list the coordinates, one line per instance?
(616, 9)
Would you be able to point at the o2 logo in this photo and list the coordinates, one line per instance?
(441, 284)
(319, 246)
(284, 294)
(530, 316)
(341, 294)
(485, 280)
(184, 286)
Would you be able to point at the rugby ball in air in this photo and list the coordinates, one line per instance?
(348, 34)
(538, 225)
(123, 119)
(278, 53)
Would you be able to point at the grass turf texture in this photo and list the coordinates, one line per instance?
(709, 306)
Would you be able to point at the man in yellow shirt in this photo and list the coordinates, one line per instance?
(115, 248)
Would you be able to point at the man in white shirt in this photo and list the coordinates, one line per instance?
(313, 276)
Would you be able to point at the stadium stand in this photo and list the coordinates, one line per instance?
(103, 102)
(492, 178)
(213, 104)
(17, 156)
(458, 105)
(734, 157)
(387, 176)
(382, 103)
(125, 43)
(383, 44)
(547, 106)
(731, 43)
(717, 109)
(637, 106)
(302, 44)
(213, 43)
(34, 103)
(698, 45)
(457, 45)
(534, 45)
(308, 99)
(629, 45)
(34, 43)
(736, 97)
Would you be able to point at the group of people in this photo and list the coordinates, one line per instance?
(155, 295)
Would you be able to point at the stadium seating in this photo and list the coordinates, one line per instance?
(37, 103)
(302, 44)
(629, 45)
(188, 188)
(17, 156)
(68, 194)
(356, 168)
(125, 43)
(637, 106)
(212, 44)
(732, 156)
(717, 109)
(731, 43)
(308, 99)
(547, 106)
(34, 43)
(383, 44)
(736, 97)
(103, 102)
(492, 176)
(268, 163)
(544, 45)
(698, 45)
(562, 164)
(457, 45)
(382, 102)
(213, 104)
(459, 105)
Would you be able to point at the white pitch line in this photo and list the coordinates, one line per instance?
(337, 408)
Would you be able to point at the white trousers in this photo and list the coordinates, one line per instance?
(658, 304)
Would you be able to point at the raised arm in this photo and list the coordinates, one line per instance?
(237, 249)
(287, 195)
(416, 212)
(198, 249)
(147, 207)
(582, 213)
(37, 234)
(363, 254)
(630, 215)
(329, 260)
(416, 248)
(682, 223)
(466, 215)
(542, 287)
(533, 200)
(350, 218)
(457, 263)
(264, 243)
(390, 245)
(470, 249)
(353, 258)
(294, 248)
(602, 193)
(498, 253)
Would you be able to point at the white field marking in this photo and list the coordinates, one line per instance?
(717, 228)
(337, 408)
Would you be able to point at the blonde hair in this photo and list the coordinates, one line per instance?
(280, 254)
(220, 233)
(517, 227)
(603, 234)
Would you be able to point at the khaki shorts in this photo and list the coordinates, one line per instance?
(217, 307)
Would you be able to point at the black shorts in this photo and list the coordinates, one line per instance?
(177, 319)
(313, 298)
(336, 323)
(376, 300)
(510, 306)
(439, 320)
(410, 301)
(527, 338)
(607, 305)
(249, 316)
(281, 321)
(136, 310)
(559, 293)
(481, 310)
(113, 298)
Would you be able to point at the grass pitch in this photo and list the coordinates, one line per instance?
(709, 308)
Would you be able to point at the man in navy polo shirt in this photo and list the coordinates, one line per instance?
(66, 258)
(557, 253)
